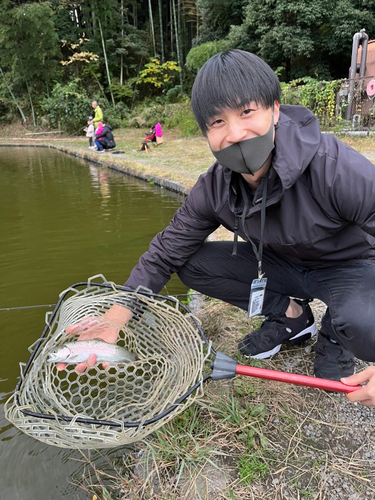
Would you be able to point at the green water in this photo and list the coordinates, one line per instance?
(62, 221)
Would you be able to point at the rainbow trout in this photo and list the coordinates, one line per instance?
(78, 352)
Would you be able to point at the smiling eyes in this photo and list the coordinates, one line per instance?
(218, 121)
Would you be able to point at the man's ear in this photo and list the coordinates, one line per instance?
(276, 112)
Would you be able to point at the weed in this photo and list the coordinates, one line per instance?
(307, 493)
(251, 466)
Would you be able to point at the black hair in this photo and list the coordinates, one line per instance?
(231, 80)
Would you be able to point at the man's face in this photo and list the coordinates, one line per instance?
(235, 125)
(94, 105)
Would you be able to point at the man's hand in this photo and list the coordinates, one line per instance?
(365, 396)
(106, 328)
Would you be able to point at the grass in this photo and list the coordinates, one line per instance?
(251, 467)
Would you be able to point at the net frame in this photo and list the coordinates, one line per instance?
(49, 418)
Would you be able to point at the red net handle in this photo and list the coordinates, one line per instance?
(292, 378)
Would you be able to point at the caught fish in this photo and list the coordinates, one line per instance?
(78, 352)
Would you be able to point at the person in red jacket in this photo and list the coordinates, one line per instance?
(304, 204)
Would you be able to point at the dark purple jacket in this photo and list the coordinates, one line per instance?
(320, 205)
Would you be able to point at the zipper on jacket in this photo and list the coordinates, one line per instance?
(235, 239)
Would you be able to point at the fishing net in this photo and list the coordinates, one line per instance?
(126, 402)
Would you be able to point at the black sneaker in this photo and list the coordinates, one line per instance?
(332, 361)
(267, 341)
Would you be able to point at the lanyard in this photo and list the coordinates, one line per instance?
(258, 251)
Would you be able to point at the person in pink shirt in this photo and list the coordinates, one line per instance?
(158, 133)
(98, 131)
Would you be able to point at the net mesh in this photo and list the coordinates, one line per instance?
(128, 399)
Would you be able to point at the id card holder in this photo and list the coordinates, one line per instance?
(256, 299)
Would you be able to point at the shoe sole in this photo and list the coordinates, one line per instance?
(307, 332)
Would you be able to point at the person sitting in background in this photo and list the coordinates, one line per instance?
(104, 138)
(98, 131)
(149, 137)
(158, 133)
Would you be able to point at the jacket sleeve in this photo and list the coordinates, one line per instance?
(172, 247)
(349, 186)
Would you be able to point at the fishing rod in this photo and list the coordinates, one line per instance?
(16, 308)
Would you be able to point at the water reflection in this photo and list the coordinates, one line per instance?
(65, 220)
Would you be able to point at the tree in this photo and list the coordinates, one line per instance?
(158, 76)
(304, 37)
(29, 47)
(217, 18)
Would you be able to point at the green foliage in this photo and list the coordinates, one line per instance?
(178, 115)
(182, 117)
(217, 18)
(197, 56)
(126, 90)
(305, 37)
(29, 41)
(183, 442)
(175, 95)
(251, 466)
(68, 106)
(158, 75)
(319, 96)
(117, 115)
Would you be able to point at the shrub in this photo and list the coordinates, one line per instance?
(117, 115)
(68, 107)
(319, 96)
(181, 116)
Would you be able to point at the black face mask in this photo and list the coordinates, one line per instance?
(248, 156)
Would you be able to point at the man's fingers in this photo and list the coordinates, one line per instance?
(360, 377)
(91, 360)
(61, 367)
(80, 368)
(83, 325)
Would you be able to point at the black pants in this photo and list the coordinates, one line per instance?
(348, 290)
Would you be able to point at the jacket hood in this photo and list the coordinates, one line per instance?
(297, 140)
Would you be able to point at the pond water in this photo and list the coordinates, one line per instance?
(62, 221)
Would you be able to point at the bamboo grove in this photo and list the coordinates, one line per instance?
(125, 52)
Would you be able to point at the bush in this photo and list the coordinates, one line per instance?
(319, 96)
(177, 115)
(182, 117)
(68, 107)
(117, 115)
(175, 95)
(200, 54)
